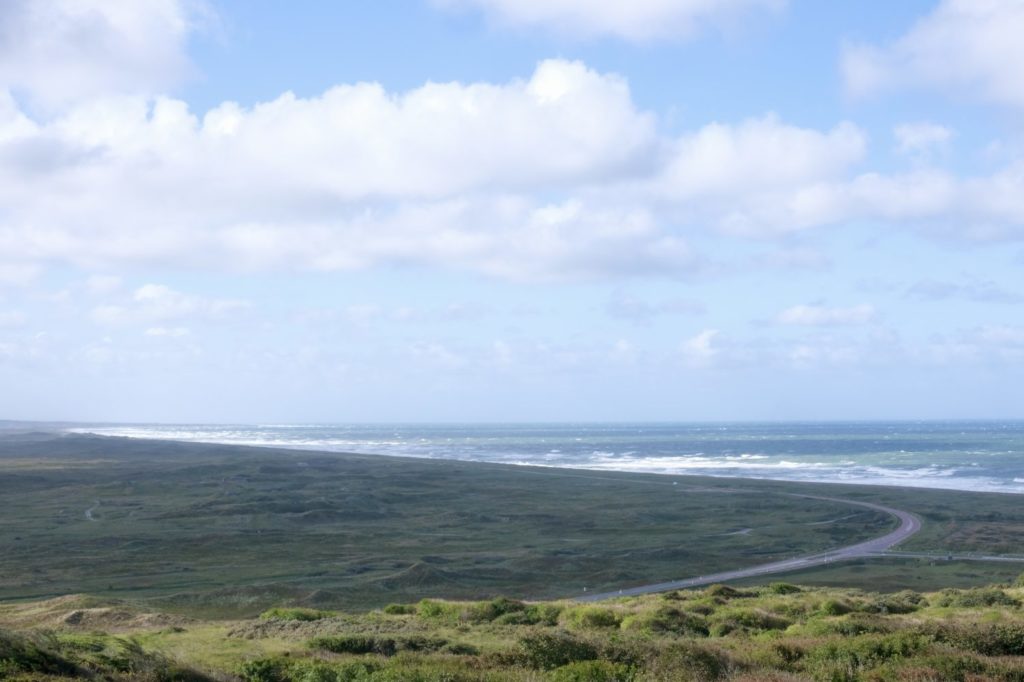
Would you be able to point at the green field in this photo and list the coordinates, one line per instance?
(226, 531)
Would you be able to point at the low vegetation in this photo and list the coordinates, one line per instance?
(777, 632)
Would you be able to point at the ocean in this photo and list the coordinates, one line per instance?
(959, 455)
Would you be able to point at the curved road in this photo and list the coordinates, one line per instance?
(909, 524)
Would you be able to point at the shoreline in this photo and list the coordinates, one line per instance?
(710, 472)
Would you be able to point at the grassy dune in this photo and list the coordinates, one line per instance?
(774, 632)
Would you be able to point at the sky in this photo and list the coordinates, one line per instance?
(511, 210)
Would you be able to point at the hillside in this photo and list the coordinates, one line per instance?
(774, 632)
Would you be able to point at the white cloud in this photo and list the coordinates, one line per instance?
(157, 302)
(59, 51)
(921, 137)
(518, 180)
(700, 350)
(639, 20)
(821, 316)
(970, 46)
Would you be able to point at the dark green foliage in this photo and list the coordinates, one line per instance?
(400, 609)
(988, 640)
(31, 654)
(783, 588)
(980, 597)
(595, 617)
(296, 613)
(535, 614)
(549, 650)
(846, 659)
(723, 592)
(592, 671)
(382, 646)
(356, 644)
(746, 620)
(834, 607)
(110, 658)
(485, 612)
(688, 661)
(669, 619)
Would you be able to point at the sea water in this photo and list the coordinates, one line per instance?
(968, 455)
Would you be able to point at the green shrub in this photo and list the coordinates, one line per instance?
(687, 661)
(547, 650)
(988, 640)
(594, 617)
(461, 649)
(976, 598)
(265, 670)
(669, 619)
(535, 614)
(847, 658)
(431, 609)
(747, 620)
(485, 612)
(591, 671)
(834, 607)
(783, 588)
(400, 609)
(355, 644)
(901, 602)
(296, 613)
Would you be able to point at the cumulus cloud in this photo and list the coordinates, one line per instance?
(970, 46)
(518, 180)
(639, 20)
(824, 316)
(59, 51)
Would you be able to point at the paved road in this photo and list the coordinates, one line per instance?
(909, 524)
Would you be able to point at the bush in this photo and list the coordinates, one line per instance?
(976, 598)
(594, 617)
(485, 612)
(547, 651)
(355, 644)
(987, 640)
(688, 661)
(295, 613)
(783, 588)
(265, 670)
(723, 591)
(438, 610)
(591, 671)
(747, 620)
(400, 609)
(535, 614)
(834, 607)
(382, 646)
(668, 619)
(846, 659)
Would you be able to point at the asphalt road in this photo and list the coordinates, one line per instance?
(909, 524)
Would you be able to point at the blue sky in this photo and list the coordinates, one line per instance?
(511, 210)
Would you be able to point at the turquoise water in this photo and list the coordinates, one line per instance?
(970, 455)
